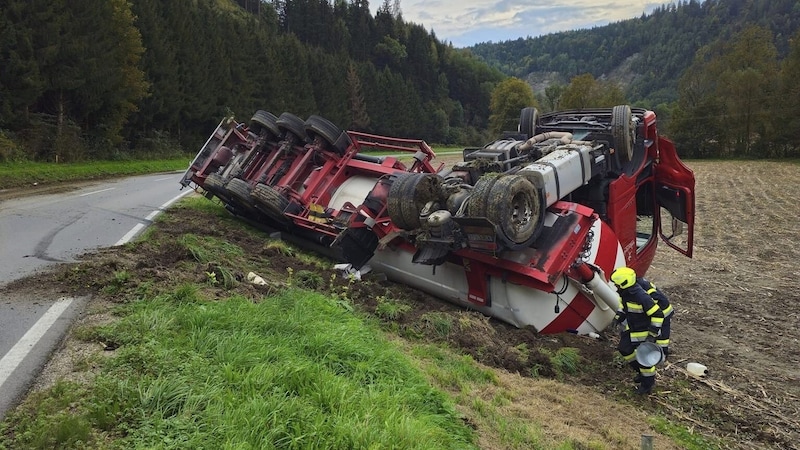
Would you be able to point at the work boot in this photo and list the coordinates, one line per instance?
(638, 378)
(647, 385)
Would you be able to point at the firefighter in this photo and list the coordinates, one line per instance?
(641, 320)
(666, 308)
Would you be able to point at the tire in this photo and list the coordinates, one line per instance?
(394, 200)
(289, 123)
(479, 197)
(623, 132)
(515, 209)
(328, 132)
(265, 122)
(214, 183)
(270, 202)
(408, 195)
(240, 191)
(528, 118)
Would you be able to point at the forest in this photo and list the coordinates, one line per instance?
(722, 75)
(115, 79)
(87, 79)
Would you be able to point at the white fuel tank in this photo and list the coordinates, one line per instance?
(561, 171)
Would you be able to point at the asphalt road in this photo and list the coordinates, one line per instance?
(39, 231)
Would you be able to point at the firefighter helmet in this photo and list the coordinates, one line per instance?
(624, 277)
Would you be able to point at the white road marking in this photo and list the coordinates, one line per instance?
(139, 226)
(20, 350)
(130, 234)
(96, 192)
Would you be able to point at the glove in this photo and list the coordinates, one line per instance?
(615, 325)
(650, 338)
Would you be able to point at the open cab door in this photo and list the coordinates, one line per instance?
(675, 199)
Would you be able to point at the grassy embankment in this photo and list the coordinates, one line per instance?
(16, 175)
(294, 370)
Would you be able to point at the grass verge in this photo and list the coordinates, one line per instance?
(293, 371)
(14, 175)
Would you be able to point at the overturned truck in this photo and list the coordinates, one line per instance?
(525, 229)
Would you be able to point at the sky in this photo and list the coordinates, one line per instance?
(468, 22)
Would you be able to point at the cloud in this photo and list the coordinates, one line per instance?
(467, 22)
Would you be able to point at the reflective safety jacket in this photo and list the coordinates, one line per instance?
(640, 314)
(657, 295)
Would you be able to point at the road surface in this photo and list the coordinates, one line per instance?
(39, 231)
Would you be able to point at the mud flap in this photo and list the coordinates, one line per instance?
(358, 245)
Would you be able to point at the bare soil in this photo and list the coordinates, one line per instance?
(736, 307)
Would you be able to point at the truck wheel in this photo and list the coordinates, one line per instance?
(623, 132)
(214, 183)
(515, 209)
(265, 122)
(479, 197)
(394, 198)
(270, 202)
(328, 132)
(289, 123)
(408, 195)
(240, 190)
(528, 119)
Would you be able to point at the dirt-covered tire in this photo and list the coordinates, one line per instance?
(408, 195)
(317, 126)
(214, 183)
(623, 132)
(265, 122)
(479, 197)
(240, 191)
(528, 119)
(514, 207)
(289, 123)
(270, 202)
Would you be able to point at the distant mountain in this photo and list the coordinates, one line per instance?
(646, 55)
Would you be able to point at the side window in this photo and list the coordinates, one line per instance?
(646, 224)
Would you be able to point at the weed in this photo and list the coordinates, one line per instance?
(389, 309)
(309, 280)
(117, 283)
(566, 360)
(280, 247)
(289, 277)
(440, 323)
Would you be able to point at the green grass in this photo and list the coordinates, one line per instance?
(26, 173)
(293, 371)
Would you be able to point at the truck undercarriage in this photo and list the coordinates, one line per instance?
(524, 229)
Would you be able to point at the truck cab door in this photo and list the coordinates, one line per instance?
(675, 199)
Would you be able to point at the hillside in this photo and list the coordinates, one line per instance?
(647, 54)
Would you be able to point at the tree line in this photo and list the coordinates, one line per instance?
(722, 75)
(100, 79)
(90, 79)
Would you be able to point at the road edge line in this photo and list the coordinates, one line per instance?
(139, 226)
(20, 350)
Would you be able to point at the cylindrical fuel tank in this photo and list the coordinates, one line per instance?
(561, 171)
